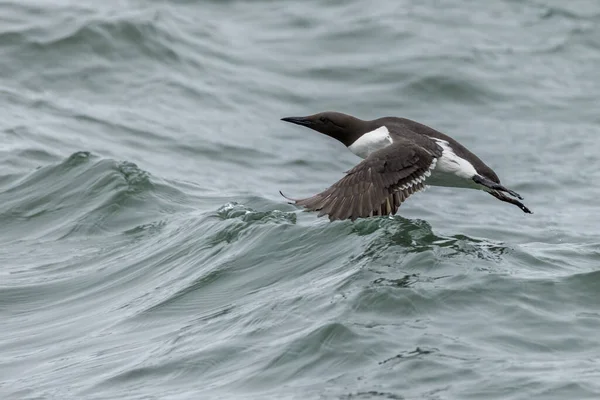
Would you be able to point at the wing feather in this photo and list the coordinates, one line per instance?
(379, 184)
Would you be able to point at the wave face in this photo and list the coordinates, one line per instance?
(145, 252)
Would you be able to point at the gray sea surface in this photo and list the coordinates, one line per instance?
(145, 250)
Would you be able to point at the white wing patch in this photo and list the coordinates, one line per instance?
(371, 141)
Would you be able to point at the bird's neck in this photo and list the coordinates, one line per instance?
(358, 129)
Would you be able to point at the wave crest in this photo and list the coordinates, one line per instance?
(82, 194)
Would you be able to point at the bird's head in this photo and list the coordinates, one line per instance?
(342, 127)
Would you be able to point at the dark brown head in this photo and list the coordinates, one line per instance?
(342, 127)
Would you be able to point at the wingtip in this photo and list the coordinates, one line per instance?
(291, 201)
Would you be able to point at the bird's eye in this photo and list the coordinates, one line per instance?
(324, 120)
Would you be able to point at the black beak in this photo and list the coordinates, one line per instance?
(298, 121)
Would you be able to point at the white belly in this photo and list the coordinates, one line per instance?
(452, 170)
(445, 178)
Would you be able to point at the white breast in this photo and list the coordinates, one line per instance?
(371, 141)
(452, 170)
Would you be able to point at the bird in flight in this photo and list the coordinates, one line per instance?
(399, 157)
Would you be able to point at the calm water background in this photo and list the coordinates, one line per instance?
(145, 252)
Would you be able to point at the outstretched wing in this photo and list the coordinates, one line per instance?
(378, 184)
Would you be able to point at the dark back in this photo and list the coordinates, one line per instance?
(458, 148)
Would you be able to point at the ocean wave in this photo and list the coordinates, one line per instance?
(79, 31)
(467, 90)
(398, 235)
(145, 250)
(82, 195)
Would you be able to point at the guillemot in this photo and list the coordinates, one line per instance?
(400, 157)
